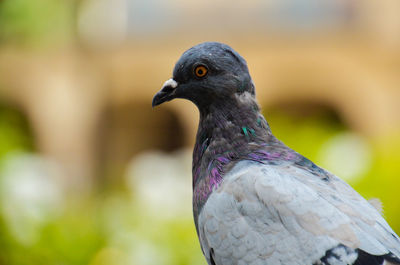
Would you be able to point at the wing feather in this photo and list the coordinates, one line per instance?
(260, 213)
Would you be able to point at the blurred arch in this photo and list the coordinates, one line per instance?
(127, 129)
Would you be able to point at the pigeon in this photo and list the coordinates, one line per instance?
(255, 200)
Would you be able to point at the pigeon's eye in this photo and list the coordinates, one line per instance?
(200, 71)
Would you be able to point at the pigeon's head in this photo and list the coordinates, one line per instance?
(207, 74)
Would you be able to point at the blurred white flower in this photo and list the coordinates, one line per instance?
(130, 243)
(31, 193)
(162, 183)
(347, 155)
(146, 253)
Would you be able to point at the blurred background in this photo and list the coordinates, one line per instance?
(91, 174)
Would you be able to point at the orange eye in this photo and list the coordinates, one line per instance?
(200, 71)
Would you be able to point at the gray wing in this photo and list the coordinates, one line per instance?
(266, 214)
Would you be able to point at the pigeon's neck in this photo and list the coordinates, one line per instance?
(231, 125)
(228, 132)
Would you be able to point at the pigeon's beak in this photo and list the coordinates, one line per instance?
(166, 93)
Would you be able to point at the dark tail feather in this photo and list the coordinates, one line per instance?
(342, 254)
(212, 257)
(365, 258)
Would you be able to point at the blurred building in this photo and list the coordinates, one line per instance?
(88, 100)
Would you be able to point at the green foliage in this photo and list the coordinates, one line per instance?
(15, 134)
(73, 238)
(33, 22)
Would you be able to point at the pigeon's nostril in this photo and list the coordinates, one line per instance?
(168, 89)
